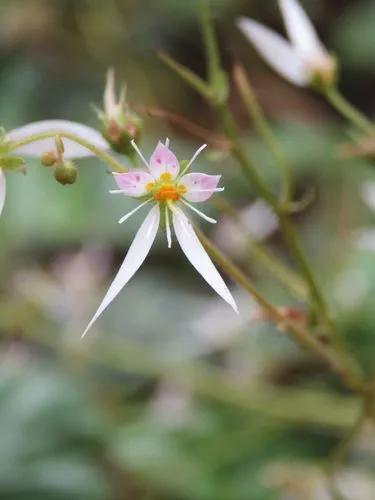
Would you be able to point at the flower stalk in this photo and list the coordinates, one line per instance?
(348, 111)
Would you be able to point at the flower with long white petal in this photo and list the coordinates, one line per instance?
(303, 60)
(39, 147)
(168, 190)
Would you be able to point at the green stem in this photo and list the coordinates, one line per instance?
(246, 164)
(349, 376)
(210, 43)
(260, 123)
(346, 109)
(285, 224)
(100, 153)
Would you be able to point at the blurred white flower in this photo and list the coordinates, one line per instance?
(257, 219)
(65, 292)
(295, 481)
(364, 237)
(216, 327)
(171, 405)
(355, 484)
(303, 60)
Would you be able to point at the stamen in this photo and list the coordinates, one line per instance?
(129, 214)
(167, 142)
(195, 155)
(168, 227)
(139, 153)
(201, 214)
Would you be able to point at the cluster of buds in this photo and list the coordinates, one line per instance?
(65, 172)
(120, 125)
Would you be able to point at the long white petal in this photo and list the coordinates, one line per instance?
(300, 29)
(3, 190)
(279, 54)
(135, 257)
(110, 94)
(72, 149)
(196, 254)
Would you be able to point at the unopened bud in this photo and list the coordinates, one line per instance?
(119, 133)
(66, 173)
(48, 159)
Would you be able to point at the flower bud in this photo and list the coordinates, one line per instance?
(48, 159)
(120, 125)
(324, 72)
(119, 133)
(66, 173)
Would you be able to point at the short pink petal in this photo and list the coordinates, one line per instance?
(134, 183)
(163, 160)
(199, 187)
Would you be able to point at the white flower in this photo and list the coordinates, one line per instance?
(167, 189)
(304, 60)
(37, 148)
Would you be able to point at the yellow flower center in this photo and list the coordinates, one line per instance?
(165, 189)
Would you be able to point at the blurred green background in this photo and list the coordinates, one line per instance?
(171, 397)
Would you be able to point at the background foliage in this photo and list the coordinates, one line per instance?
(171, 397)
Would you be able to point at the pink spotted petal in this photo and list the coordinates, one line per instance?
(134, 183)
(2, 190)
(199, 187)
(163, 160)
